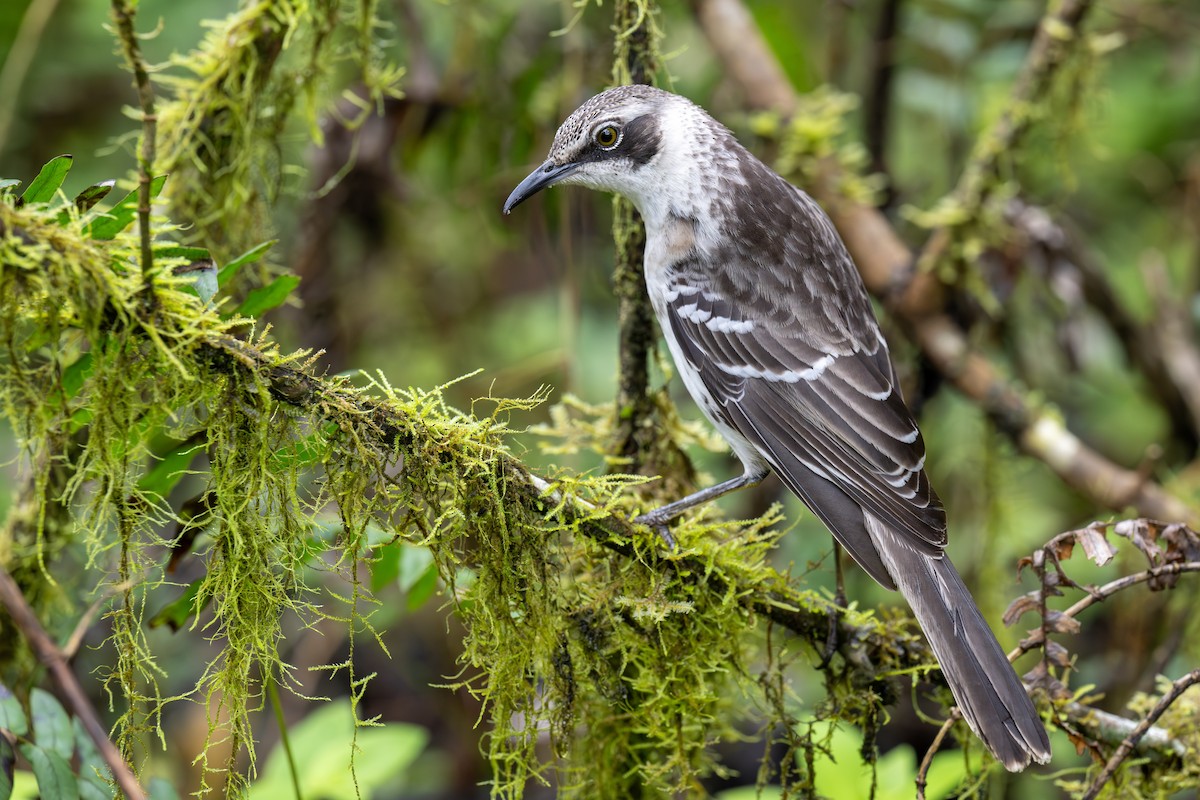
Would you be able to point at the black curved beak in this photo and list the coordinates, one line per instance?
(547, 174)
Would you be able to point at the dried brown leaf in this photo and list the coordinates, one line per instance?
(1057, 654)
(1058, 622)
(1030, 601)
(1095, 545)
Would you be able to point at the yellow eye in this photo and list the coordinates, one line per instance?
(607, 137)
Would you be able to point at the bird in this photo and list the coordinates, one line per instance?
(772, 332)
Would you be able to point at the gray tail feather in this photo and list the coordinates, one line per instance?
(988, 691)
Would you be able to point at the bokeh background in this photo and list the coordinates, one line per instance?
(409, 268)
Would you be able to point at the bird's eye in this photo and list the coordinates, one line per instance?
(607, 137)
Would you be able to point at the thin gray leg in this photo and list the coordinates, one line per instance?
(659, 517)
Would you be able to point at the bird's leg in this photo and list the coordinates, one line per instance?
(659, 517)
(839, 599)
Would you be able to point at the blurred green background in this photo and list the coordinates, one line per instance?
(409, 268)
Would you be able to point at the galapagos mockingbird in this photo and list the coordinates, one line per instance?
(770, 327)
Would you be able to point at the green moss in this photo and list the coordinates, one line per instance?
(233, 96)
(633, 661)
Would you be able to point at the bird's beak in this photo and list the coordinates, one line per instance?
(547, 174)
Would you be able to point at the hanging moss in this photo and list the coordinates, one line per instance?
(233, 96)
(577, 625)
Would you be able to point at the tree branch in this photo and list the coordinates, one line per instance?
(123, 13)
(49, 654)
(862, 646)
(1122, 752)
(635, 61)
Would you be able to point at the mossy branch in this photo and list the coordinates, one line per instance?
(865, 645)
(1058, 36)
(124, 13)
(639, 442)
(565, 587)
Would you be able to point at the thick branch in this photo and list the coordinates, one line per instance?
(49, 654)
(917, 300)
(862, 647)
(741, 47)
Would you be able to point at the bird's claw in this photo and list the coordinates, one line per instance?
(658, 526)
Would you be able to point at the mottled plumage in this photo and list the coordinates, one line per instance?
(773, 334)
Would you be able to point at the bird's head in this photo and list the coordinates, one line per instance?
(611, 143)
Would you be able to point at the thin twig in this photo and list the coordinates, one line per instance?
(49, 654)
(1177, 688)
(923, 770)
(1095, 595)
(20, 56)
(123, 13)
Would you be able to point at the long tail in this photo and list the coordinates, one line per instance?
(988, 691)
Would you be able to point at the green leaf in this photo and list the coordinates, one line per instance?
(263, 299)
(415, 562)
(321, 747)
(385, 567)
(9, 183)
(93, 791)
(306, 451)
(176, 614)
(107, 225)
(12, 716)
(85, 200)
(160, 789)
(423, 589)
(170, 469)
(51, 725)
(204, 280)
(47, 182)
(53, 773)
(418, 576)
(94, 775)
(249, 257)
(76, 374)
(200, 269)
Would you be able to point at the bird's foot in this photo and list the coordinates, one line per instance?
(658, 525)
